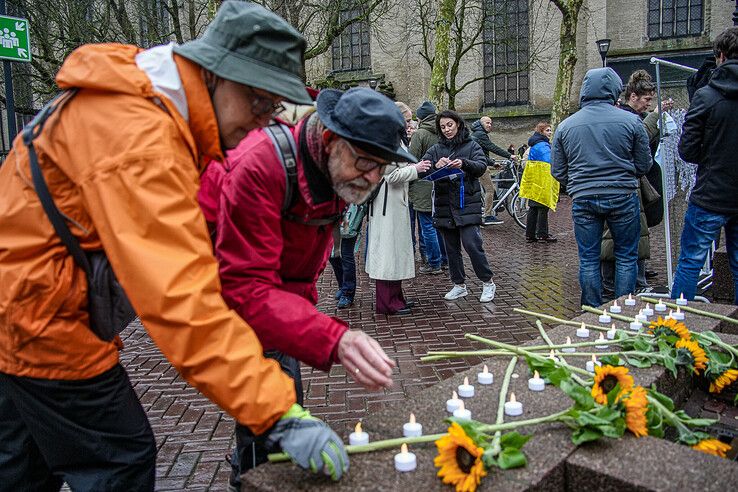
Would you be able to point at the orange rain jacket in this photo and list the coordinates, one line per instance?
(125, 170)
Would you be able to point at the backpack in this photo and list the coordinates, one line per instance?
(284, 144)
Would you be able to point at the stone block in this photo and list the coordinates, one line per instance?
(723, 286)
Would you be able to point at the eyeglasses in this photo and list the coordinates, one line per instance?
(261, 105)
(364, 164)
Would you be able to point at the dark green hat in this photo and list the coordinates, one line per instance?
(251, 45)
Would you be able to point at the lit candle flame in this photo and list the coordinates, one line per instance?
(485, 370)
(454, 396)
(612, 327)
(357, 429)
(671, 313)
(647, 306)
(604, 313)
(602, 336)
(536, 375)
(551, 354)
(412, 418)
(466, 381)
(681, 296)
(403, 448)
(594, 359)
(512, 398)
(615, 303)
(568, 340)
(630, 297)
(461, 405)
(583, 327)
(678, 310)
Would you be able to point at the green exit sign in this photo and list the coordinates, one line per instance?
(15, 41)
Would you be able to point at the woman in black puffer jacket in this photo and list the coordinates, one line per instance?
(457, 163)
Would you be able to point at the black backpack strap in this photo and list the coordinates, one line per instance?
(284, 144)
(30, 132)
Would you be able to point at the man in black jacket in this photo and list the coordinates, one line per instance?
(480, 130)
(708, 140)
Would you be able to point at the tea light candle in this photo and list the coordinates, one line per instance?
(582, 331)
(678, 314)
(636, 325)
(647, 310)
(466, 390)
(630, 301)
(568, 349)
(462, 413)
(536, 383)
(602, 339)
(513, 408)
(660, 307)
(485, 377)
(612, 332)
(681, 301)
(640, 316)
(412, 428)
(404, 460)
(590, 365)
(604, 317)
(615, 308)
(358, 436)
(670, 315)
(552, 356)
(453, 403)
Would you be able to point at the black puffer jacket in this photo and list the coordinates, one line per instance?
(709, 138)
(447, 211)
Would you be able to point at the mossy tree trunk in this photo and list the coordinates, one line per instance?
(567, 59)
(446, 9)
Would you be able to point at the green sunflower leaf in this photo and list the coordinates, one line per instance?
(514, 440)
(613, 394)
(489, 459)
(641, 344)
(611, 360)
(511, 458)
(579, 394)
(663, 399)
(670, 364)
(585, 434)
(640, 362)
(471, 428)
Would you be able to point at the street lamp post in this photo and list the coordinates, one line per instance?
(603, 46)
(373, 84)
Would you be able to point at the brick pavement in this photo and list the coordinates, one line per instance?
(194, 436)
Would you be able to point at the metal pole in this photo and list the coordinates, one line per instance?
(667, 225)
(9, 100)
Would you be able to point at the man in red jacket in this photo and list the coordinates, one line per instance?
(270, 261)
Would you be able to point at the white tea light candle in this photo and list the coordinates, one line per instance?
(412, 428)
(647, 310)
(582, 331)
(604, 317)
(485, 377)
(678, 314)
(536, 383)
(358, 436)
(660, 307)
(513, 408)
(681, 301)
(640, 316)
(462, 413)
(615, 308)
(466, 390)
(611, 332)
(590, 365)
(630, 301)
(552, 356)
(453, 403)
(602, 339)
(405, 461)
(568, 349)
(636, 325)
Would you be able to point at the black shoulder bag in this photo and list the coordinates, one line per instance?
(107, 304)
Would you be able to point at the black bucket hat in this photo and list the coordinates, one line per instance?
(250, 45)
(366, 118)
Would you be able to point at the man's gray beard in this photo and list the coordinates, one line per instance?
(351, 195)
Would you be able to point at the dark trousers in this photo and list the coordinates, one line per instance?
(471, 238)
(92, 434)
(250, 450)
(345, 266)
(389, 296)
(536, 225)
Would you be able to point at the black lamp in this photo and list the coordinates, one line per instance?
(603, 46)
(373, 84)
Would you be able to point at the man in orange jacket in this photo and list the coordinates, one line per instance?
(122, 161)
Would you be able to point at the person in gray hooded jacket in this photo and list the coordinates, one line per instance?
(599, 153)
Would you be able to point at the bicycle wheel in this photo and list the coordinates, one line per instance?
(517, 207)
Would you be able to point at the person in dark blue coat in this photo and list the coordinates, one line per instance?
(457, 163)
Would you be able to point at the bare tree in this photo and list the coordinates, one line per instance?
(567, 58)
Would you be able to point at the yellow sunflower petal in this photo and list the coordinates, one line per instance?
(699, 357)
(712, 446)
(636, 406)
(724, 380)
(450, 471)
(614, 375)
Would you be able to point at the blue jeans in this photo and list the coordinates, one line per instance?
(701, 228)
(432, 240)
(622, 214)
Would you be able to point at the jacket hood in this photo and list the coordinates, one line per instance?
(725, 79)
(104, 67)
(477, 126)
(429, 124)
(537, 138)
(600, 84)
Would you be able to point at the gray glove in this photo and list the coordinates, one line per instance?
(309, 442)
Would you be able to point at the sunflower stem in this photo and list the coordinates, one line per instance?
(690, 309)
(522, 423)
(669, 416)
(550, 343)
(559, 320)
(495, 446)
(521, 351)
(716, 340)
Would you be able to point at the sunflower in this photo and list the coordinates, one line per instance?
(459, 460)
(606, 377)
(712, 446)
(668, 327)
(699, 358)
(636, 406)
(723, 381)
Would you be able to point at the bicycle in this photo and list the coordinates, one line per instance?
(509, 180)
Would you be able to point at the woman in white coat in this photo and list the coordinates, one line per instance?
(390, 258)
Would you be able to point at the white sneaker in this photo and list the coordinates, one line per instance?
(456, 292)
(488, 291)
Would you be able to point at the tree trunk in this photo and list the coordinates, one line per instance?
(437, 89)
(567, 60)
(176, 24)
